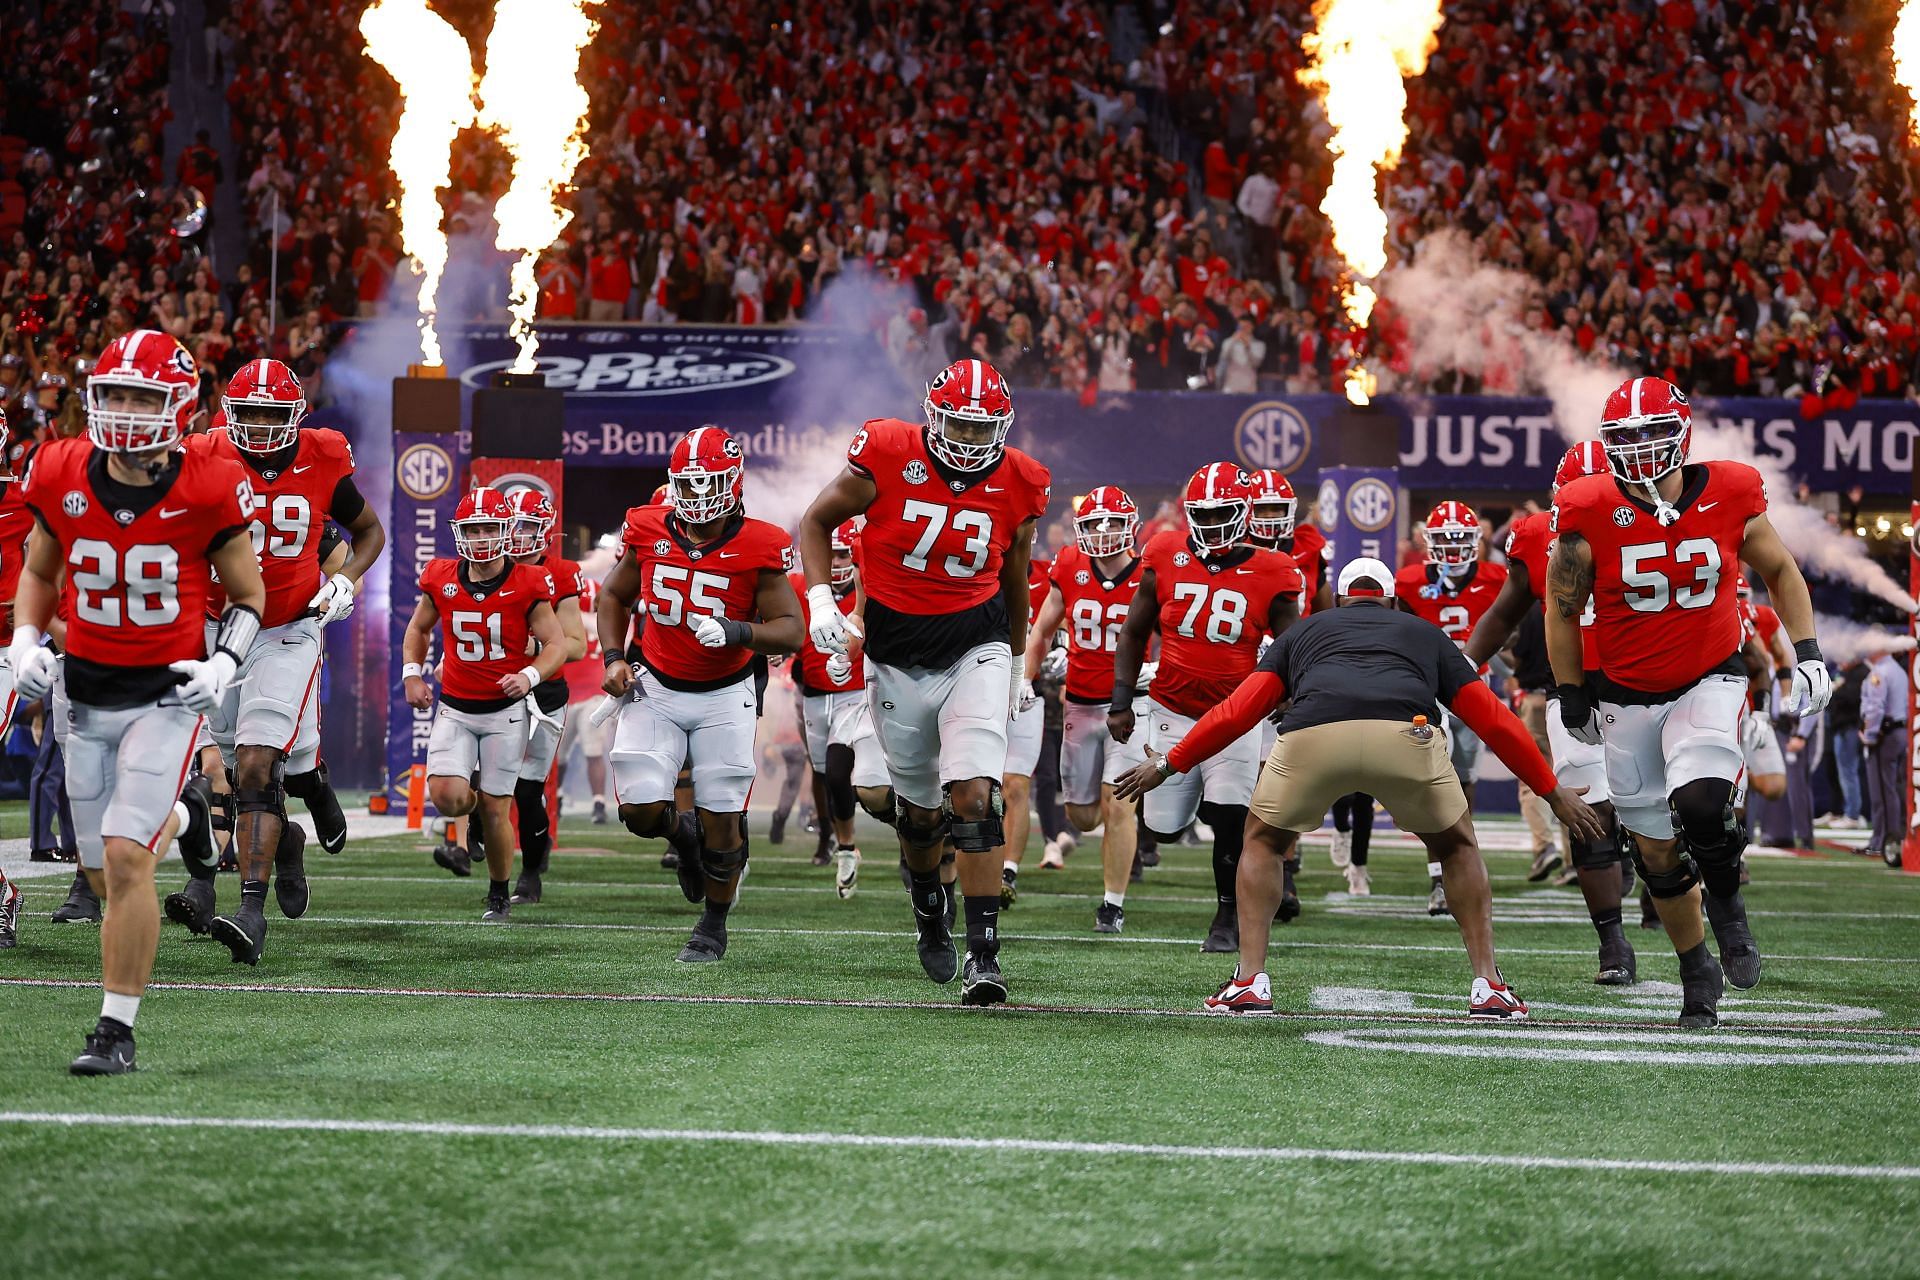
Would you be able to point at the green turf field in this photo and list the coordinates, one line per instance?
(557, 1097)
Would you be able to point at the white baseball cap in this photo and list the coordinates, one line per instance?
(1366, 569)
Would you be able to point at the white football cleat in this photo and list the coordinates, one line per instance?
(1342, 850)
(1489, 1003)
(846, 871)
(1359, 885)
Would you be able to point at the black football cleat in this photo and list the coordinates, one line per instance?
(499, 909)
(1009, 887)
(290, 871)
(197, 847)
(453, 858)
(43, 855)
(329, 822)
(109, 1050)
(244, 934)
(1545, 862)
(1108, 918)
(950, 904)
(1289, 896)
(1223, 935)
(192, 905)
(823, 854)
(599, 818)
(704, 945)
(1618, 965)
(777, 829)
(9, 914)
(1701, 984)
(82, 905)
(526, 890)
(685, 838)
(935, 944)
(983, 984)
(1739, 955)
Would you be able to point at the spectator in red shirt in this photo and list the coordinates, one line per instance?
(609, 281)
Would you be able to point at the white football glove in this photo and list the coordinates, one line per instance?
(1054, 665)
(334, 600)
(1812, 688)
(826, 625)
(32, 663)
(1148, 670)
(709, 632)
(205, 681)
(839, 668)
(1020, 693)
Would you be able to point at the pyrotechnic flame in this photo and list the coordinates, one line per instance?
(433, 67)
(1906, 61)
(1361, 50)
(1361, 385)
(533, 97)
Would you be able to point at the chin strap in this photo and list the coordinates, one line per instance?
(1663, 511)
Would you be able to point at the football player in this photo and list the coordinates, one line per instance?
(267, 728)
(837, 723)
(583, 677)
(16, 524)
(487, 608)
(138, 528)
(1657, 545)
(712, 582)
(1452, 588)
(530, 542)
(1600, 865)
(1091, 588)
(1024, 735)
(950, 511)
(1212, 600)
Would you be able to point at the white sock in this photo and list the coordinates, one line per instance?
(118, 1007)
(1010, 866)
(1115, 899)
(1433, 869)
(599, 799)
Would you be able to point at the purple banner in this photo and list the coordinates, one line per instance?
(426, 489)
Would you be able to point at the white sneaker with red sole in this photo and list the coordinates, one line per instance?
(1490, 1003)
(1255, 995)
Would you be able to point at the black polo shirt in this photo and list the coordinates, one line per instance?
(1365, 661)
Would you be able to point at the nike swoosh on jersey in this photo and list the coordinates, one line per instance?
(168, 513)
(727, 555)
(1706, 506)
(991, 489)
(298, 470)
(505, 594)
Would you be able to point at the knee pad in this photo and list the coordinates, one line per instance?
(634, 818)
(1229, 823)
(984, 835)
(882, 809)
(721, 865)
(1662, 884)
(271, 798)
(1607, 851)
(921, 837)
(223, 810)
(1705, 821)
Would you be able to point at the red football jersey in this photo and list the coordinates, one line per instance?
(810, 665)
(929, 548)
(1454, 612)
(1039, 573)
(585, 673)
(1213, 615)
(1309, 557)
(1756, 620)
(138, 577)
(1095, 610)
(1665, 611)
(16, 522)
(680, 581)
(294, 503)
(1530, 542)
(483, 637)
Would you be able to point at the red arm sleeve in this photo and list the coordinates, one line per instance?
(1500, 729)
(1257, 696)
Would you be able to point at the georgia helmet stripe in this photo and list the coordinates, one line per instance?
(1634, 396)
(978, 374)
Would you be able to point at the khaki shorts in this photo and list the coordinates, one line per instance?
(1311, 768)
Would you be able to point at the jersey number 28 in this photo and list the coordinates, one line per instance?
(142, 589)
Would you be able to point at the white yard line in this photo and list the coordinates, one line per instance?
(933, 1142)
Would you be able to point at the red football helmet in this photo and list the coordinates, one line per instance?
(662, 496)
(1453, 537)
(482, 525)
(142, 394)
(264, 406)
(1585, 459)
(704, 476)
(968, 397)
(1217, 502)
(1646, 429)
(1105, 522)
(533, 518)
(1274, 507)
(841, 571)
(1742, 589)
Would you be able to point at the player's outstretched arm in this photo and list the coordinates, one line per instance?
(1143, 616)
(1762, 549)
(846, 496)
(1502, 618)
(780, 630)
(1569, 585)
(573, 627)
(413, 652)
(1052, 610)
(610, 618)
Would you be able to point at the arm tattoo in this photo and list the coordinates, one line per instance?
(1570, 575)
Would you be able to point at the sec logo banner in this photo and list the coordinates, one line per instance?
(1370, 505)
(425, 471)
(1272, 434)
(1327, 507)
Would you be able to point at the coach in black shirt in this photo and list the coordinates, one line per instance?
(1366, 684)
